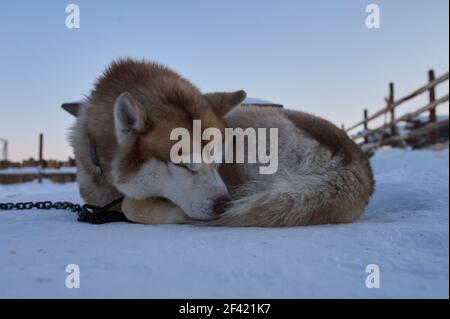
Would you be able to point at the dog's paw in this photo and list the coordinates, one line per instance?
(154, 210)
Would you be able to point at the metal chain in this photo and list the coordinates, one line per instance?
(75, 208)
(86, 213)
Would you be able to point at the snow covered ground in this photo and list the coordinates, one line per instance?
(36, 170)
(405, 231)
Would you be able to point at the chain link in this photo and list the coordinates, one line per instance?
(86, 213)
(75, 208)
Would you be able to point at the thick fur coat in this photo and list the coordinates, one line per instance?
(323, 176)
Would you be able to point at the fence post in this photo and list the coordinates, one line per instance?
(434, 135)
(366, 125)
(41, 159)
(392, 108)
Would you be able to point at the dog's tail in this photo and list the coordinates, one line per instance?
(305, 200)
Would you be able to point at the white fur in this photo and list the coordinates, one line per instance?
(194, 189)
(126, 117)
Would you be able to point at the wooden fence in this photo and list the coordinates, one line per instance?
(388, 133)
(31, 169)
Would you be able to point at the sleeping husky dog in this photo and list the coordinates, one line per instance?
(122, 147)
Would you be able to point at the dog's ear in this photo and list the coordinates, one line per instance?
(129, 115)
(73, 108)
(224, 102)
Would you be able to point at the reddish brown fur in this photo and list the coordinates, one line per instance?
(336, 140)
(164, 95)
(169, 101)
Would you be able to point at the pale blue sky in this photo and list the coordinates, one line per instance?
(315, 56)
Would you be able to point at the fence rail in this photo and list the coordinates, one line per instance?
(388, 133)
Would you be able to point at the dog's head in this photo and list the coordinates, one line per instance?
(144, 166)
(149, 102)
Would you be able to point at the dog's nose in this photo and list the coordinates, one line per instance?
(220, 204)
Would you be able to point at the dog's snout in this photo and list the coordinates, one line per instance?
(220, 204)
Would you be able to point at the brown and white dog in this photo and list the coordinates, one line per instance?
(122, 146)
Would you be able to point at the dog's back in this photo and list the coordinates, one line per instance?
(323, 176)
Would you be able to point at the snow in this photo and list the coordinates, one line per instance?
(253, 100)
(36, 170)
(404, 231)
(426, 118)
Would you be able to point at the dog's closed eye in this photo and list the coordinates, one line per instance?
(185, 166)
(193, 168)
